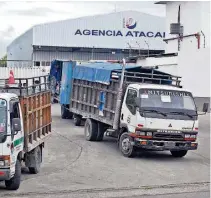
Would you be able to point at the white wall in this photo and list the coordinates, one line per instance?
(165, 64)
(194, 67)
(194, 16)
(193, 63)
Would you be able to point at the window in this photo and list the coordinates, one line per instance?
(14, 110)
(14, 113)
(43, 63)
(3, 120)
(37, 63)
(47, 63)
(177, 100)
(130, 100)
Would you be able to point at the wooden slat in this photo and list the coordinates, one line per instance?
(36, 111)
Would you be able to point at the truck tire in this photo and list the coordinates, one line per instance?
(125, 145)
(77, 120)
(14, 183)
(38, 159)
(90, 130)
(181, 153)
(65, 113)
(100, 133)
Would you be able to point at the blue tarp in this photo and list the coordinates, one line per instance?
(101, 72)
(97, 72)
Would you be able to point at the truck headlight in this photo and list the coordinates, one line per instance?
(193, 136)
(140, 133)
(6, 162)
(149, 133)
(1, 163)
(187, 135)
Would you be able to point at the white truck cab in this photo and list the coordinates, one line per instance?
(159, 117)
(11, 135)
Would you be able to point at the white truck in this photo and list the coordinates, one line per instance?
(141, 107)
(25, 123)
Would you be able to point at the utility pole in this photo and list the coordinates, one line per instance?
(92, 52)
(129, 49)
(139, 49)
(148, 47)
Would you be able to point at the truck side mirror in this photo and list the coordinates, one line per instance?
(205, 107)
(16, 124)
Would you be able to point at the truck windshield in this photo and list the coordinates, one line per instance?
(3, 119)
(167, 100)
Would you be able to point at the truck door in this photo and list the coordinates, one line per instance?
(18, 139)
(128, 114)
(66, 84)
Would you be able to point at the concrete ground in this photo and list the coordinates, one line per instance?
(74, 167)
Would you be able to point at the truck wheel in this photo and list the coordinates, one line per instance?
(125, 145)
(65, 113)
(90, 130)
(14, 183)
(77, 120)
(179, 153)
(100, 133)
(38, 159)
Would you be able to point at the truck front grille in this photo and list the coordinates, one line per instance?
(168, 136)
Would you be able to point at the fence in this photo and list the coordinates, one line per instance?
(21, 72)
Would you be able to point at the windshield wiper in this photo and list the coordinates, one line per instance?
(182, 113)
(153, 111)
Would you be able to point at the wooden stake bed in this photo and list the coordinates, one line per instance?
(35, 100)
(36, 111)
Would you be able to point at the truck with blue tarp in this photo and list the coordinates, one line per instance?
(142, 107)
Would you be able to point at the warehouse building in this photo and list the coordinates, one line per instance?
(102, 37)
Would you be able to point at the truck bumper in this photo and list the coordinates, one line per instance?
(4, 174)
(160, 145)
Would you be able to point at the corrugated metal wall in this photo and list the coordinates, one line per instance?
(64, 33)
(21, 72)
(21, 48)
(49, 56)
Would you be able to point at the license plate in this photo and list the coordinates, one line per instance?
(170, 144)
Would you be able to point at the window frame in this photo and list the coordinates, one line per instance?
(128, 105)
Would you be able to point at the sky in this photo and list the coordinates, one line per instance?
(18, 16)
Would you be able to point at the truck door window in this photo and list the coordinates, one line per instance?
(14, 110)
(130, 100)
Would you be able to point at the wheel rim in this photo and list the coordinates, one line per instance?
(126, 145)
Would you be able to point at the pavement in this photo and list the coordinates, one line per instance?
(74, 167)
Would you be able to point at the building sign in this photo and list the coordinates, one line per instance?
(89, 32)
(128, 23)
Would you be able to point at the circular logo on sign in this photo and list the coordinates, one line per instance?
(131, 23)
